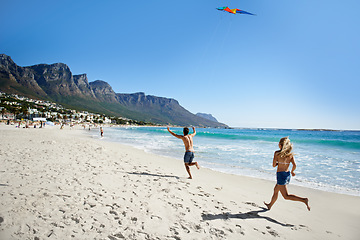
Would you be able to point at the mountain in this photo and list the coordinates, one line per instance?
(55, 82)
(207, 116)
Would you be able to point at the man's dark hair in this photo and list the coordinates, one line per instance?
(186, 131)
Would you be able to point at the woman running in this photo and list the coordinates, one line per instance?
(282, 159)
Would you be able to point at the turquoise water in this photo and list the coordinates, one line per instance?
(326, 160)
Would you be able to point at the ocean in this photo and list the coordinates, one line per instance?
(326, 160)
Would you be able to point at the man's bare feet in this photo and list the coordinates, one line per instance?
(189, 177)
(197, 165)
(267, 205)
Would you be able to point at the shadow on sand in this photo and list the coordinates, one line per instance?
(4, 185)
(248, 215)
(153, 175)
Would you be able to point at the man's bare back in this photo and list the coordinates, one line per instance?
(188, 142)
(187, 139)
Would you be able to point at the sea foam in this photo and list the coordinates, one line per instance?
(326, 160)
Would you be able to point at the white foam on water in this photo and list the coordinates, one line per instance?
(316, 167)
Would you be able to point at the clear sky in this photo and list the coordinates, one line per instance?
(296, 64)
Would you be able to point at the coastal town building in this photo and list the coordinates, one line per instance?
(14, 107)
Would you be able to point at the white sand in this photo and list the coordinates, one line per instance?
(62, 184)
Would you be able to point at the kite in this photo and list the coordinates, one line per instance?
(233, 11)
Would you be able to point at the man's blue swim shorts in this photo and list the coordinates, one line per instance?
(188, 157)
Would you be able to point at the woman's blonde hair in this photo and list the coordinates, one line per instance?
(285, 147)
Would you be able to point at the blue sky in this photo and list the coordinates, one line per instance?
(296, 64)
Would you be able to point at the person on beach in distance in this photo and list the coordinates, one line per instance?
(189, 148)
(101, 132)
(282, 159)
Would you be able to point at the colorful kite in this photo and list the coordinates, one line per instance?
(233, 11)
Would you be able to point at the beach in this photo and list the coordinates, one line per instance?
(64, 184)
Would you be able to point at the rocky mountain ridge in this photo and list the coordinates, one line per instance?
(207, 116)
(56, 82)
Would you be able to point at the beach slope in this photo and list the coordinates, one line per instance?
(64, 184)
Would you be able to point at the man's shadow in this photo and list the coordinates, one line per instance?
(153, 175)
(248, 215)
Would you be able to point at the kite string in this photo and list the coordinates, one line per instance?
(221, 53)
(210, 42)
(226, 35)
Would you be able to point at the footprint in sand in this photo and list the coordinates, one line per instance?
(114, 213)
(272, 231)
(217, 232)
(240, 229)
(252, 204)
(166, 190)
(116, 236)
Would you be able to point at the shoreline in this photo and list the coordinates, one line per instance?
(256, 174)
(62, 183)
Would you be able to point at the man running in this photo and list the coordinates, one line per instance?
(189, 148)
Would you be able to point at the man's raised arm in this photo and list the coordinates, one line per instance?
(194, 133)
(175, 135)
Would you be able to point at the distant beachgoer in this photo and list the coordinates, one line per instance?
(282, 159)
(189, 148)
(101, 132)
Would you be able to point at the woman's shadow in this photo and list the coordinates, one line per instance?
(248, 215)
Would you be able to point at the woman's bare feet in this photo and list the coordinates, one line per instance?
(307, 203)
(267, 205)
